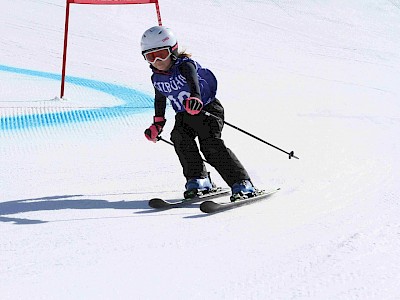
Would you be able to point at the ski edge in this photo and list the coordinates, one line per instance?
(211, 207)
(159, 203)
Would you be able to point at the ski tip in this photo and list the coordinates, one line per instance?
(157, 203)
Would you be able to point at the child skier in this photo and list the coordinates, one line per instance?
(190, 89)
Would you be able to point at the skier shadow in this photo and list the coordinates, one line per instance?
(54, 203)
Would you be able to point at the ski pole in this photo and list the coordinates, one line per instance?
(291, 154)
(159, 138)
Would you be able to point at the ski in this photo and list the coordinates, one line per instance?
(214, 207)
(159, 203)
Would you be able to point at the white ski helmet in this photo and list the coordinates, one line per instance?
(159, 37)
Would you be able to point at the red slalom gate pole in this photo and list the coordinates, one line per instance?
(65, 50)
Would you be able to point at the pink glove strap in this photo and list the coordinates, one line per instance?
(159, 119)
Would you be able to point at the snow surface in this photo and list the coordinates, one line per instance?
(317, 77)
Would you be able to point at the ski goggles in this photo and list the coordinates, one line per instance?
(161, 54)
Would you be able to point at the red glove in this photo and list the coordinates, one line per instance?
(155, 129)
(193, 105)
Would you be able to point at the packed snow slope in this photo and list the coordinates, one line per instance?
(317, 77)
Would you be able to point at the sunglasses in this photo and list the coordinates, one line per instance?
(161, 54)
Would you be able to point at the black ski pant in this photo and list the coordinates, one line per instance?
(208, 131)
